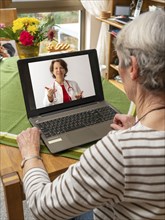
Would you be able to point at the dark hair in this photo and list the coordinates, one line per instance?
(10, 49)
(63, 64)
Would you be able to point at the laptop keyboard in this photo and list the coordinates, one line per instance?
(79, 120)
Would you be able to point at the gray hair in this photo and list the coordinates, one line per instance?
(144, 38)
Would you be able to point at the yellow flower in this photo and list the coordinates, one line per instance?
(34, 21)
(17, 25)
(25, 23)
(26, 31)
(32, 29)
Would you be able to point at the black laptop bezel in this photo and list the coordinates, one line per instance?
(26, 83)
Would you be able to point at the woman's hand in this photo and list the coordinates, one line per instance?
(29, 142)
(79, 96)
(122, 122)
(50, 93)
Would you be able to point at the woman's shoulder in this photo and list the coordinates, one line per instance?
(72, 82)
(139, 131)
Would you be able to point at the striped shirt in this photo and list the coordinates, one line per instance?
(121, 177)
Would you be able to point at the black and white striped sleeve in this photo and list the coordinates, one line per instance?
(96, 179)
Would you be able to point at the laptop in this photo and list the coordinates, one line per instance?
(124, 19)
(88, 118)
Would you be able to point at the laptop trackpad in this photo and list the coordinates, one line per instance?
(83, 136)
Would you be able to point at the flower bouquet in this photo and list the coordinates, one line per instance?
(28, 32)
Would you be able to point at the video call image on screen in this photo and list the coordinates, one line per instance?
(79, 70)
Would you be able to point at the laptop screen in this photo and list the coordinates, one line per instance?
(82, 77)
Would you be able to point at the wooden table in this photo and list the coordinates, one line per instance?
(11, 175)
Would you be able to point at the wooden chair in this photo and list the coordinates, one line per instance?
(8, 15)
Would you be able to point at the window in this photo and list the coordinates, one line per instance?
(67, 14)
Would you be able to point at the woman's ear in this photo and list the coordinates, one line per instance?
(134, 72)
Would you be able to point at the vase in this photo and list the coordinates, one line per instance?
(27, 51)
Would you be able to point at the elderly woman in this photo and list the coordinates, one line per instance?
(61, 90)
(121, 176)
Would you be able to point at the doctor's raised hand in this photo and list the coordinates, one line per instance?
(50, 93)
(61, 90)
(79, 96)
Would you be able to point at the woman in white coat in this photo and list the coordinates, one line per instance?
(61, 90)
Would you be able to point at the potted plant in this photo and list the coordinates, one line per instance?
(28, 32)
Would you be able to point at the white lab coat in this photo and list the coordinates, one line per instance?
(71, 87)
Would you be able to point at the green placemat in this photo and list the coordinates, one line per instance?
(13, 117)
